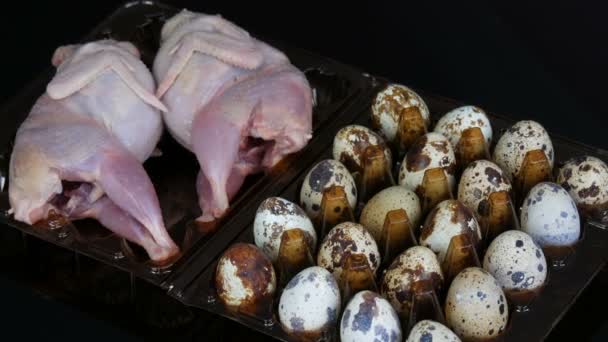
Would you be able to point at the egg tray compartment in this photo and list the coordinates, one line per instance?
(562, 288)
(337, 88)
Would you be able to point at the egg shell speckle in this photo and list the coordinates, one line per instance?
(516, 261)
(453, 123)
(350, 143)
(414, 264)
(477, 182)
(431, 150)
(550, 217)
(343, 240)
(392, 198)
(274, 216)
(586, 179)
(388, 105)
(369, 317)
(476, 307)
(310, 302)
(322, 176)
(431, 331)
(519, 139)
(448, 219)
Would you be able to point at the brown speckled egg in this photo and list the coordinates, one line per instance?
(448, 219)
(343, 240)
(244, 276)
(350, 143)
(388, 105)
(522, 137)
(454, 122)
(586, 179)
(478, 181)
(393, 198)
(431, 331)
(322, 176)
(414, 264)
(476, 307)
(369, 317)
(432, 150)
(516, 261)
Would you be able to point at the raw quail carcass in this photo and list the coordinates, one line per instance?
(236, 102)
(80, 151)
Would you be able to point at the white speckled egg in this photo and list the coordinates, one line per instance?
(310, 302)
(350, 143)
(550, 217)
(343, 240)
(448, 219)
(414, 264)
(274, 216)
(454, 122)
(432, 150)
(322, 176)
(516, 261)
(431, 331)
(369, 317)
(522, 137)
(475, 306)
(392, 198)
(244, 276)
(388, 105)
(480, 179)
(586, 179)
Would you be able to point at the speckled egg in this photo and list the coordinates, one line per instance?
(343, 240)
(432, 150)
(388, 105)
(586, 179)
(431, 331)
(519, 139)
(322, 176)
(310, 303)
(480, 179)
(350, 143)
(454, 122)
(244, 276)
(392, 198)
(414, 264)
(274, 216)
(475, 306)
(516, 261)
(369, 317)
(550, 217)
(448, 219)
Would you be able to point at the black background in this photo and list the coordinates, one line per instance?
(546, 62)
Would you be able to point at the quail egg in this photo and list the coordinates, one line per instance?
(475, 306)
(322, 176)
(393, 198)
(343, 240)
(586, 179)
(480, 179)
(244, 276)
(310, 302)
(414, 264)
(516, 261)
(448, 219)
(453, 123)
(523, 137)
(388, 105)
(432, 150)
(431, 331)
(369, 317)
(350, 143)
(550, 217)
(274, 216)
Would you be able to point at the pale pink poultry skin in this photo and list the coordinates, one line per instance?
(234, 101)
(95, 125)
